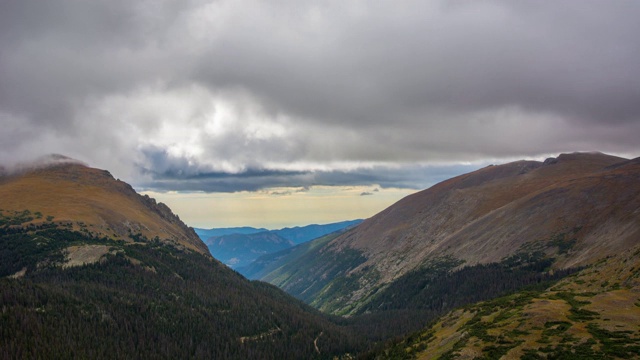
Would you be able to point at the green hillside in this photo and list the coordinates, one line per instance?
(145, 299)
(594, 314)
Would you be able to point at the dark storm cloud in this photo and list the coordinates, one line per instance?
(241, 92)
(178, 174)
(387, 61)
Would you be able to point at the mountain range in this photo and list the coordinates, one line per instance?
(510, 225)
(91, 269)
(530, 259)
(238, 247)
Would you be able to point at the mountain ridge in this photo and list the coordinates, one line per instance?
(575, 208)
(238, 247)
(91, 269)
(92, 200)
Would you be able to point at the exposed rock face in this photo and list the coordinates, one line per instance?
(92, 200)
(84, 254)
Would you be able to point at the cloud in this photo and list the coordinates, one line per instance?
(165, 172)
(232, 95)
(365, 193)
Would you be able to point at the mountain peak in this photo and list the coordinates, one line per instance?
(574, 208)
(43, 162)
(66, 191)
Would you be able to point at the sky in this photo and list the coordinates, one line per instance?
(289, 112)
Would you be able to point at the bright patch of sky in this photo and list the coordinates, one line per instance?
(280, 207)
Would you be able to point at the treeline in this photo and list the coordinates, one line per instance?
(421, 296)
(150, 299)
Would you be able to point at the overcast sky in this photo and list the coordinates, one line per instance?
(228, 96)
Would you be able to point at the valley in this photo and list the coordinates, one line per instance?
(239, 247)
(528, 259)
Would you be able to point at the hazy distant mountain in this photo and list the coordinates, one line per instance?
(475, 229)
(300, 234)
(205, 234)
(91, 269)
(237, 250)
(238, 247)
(291, 257)
(297, 234)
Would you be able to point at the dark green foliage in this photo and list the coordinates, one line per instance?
(171, 304)
(615, 343)
(474, 327)
(497, 351)
(307, 275)
(35, 246)
(436, 288)
(555, 328)
(15, 217)
(565, 241)
(607, 345)
(576, 311)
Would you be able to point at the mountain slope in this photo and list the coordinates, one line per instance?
(570, 210)
(593, 314)
(91, 200)
(238, 247)
(237, 250)
(74, 288)
(302, 234)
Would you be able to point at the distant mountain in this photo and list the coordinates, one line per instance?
(297, 234)
(238, 247)
(471, 238)
(301, 234)
(293, 256)
(91, 269)
(237, 250)
(205, 234)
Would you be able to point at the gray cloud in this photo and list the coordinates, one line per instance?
(168, 173)
(233, 95)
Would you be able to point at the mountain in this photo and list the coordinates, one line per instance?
(70, 194)
(237, 250)
(473, 237)
(292, 257)
(593, 314)
(205, 234)
(297, 234)
(91, 269)
(301, 234)
(238, 247)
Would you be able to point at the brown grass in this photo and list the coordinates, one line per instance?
(91, 201)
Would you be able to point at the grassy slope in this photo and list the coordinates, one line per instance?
(592, 314)
(92, 200)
